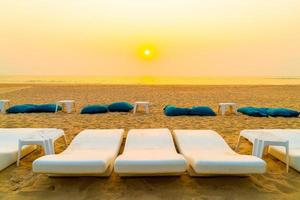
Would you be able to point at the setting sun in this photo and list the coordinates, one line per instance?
(147, 52)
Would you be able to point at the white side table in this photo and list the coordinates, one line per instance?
(42, 138)
(68, 103)
(263, 140)
(145, 104)
(44, 142)
(2, 105)
(223, 106)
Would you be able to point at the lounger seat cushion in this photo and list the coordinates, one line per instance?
(149, 152)
(81, 162)
(225, 163)
(150, 162)
(176, 111)
(120, 107)
(208, 154)
(91, 153)
(94, 109)
(33, 108)
(254, 112)
(202, 111)
(282, 112)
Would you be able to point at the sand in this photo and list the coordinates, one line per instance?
(22, 183)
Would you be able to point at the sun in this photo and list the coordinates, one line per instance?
(147, 52)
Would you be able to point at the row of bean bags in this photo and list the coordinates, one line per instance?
(114, 107)
(194, 111)
(266, 112)
(32, 108)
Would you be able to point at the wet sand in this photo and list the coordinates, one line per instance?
(22, 183)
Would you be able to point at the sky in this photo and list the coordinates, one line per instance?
(150, 37)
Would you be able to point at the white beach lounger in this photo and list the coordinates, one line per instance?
(292, 135)
(208, 154)
(9, 138)
(91, 153)
(150, 152)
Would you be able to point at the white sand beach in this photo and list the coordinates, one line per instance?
(22, 183)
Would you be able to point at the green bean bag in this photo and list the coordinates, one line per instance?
(94, 109)
(46, 108)
(282, 112)
(32, 108)
(120, 107)
(24, 108)
(175, 111)
(254, 112)
(202, 111)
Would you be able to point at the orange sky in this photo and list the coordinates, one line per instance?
(186, 37)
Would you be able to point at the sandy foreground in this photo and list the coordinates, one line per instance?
(22, 183)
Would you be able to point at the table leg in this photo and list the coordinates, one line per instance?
(261, 148)
(231, 109)
(45, 145)
(74, 105)
(7, 107)
(254, 147)
(48, 147)
(147, 109)
(52, 147)
(65, 139)
(258, 148)
(223, 109)
(235, 109)
(2, 107)
(135, 108)
(19, 153)
(68, 107)
(287, 157)
(238, 143)
(218, 109)
(56, 107)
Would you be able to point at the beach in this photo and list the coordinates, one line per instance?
(22, 183)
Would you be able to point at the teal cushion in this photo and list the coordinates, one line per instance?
(253, 111)
(202, 111)
(175, 111)
(24, 108)
(120, 107)
(282, 112)
(94, 109)
(32, 108)
(42, 108)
